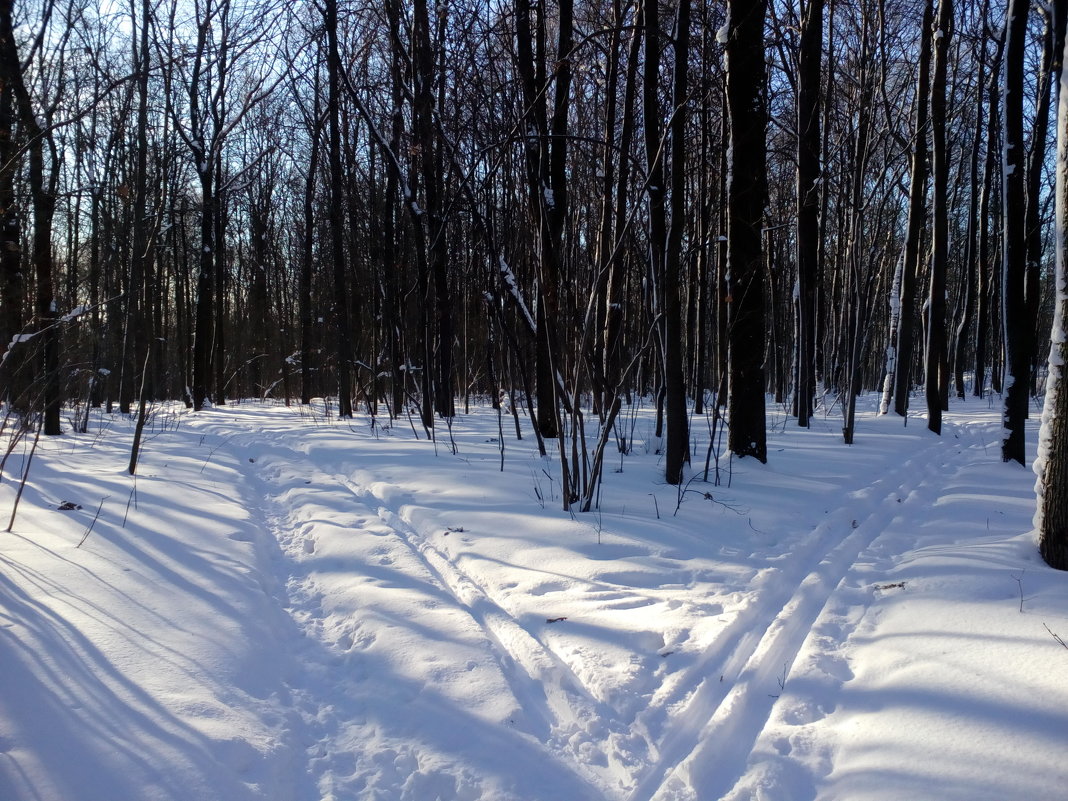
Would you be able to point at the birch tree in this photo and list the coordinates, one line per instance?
(1051, 466)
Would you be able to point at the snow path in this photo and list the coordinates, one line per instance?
(731, 714)
(684, 732)
(315, 515)
(294, 608)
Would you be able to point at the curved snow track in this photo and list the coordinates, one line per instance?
(458, 643)
(716, 733)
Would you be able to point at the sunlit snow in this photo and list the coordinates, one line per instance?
(287, 606)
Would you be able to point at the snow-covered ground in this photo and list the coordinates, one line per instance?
(290, 607)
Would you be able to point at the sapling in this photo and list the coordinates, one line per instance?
(26, 471)
(684, 489)
(93, 522)
(17, 433)
(131, 500)
(500, 432)
(1019, 582)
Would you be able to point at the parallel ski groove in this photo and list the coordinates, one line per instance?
(719, 718)
(567, 701)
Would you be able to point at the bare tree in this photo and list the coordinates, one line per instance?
(809, 153)
(899, 362)
(1051, 467)
(1014, 243)
(747, 190)
(937, 372)
(43, 176)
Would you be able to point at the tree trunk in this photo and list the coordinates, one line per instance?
(972, 266)
(1051, 467)
(337, 217)
(678, 434)
(937, 372)
(42, 191)
(13, 381)
(917, 213)
(984, 290)
(204, 315)
(546, 159)
(1034, 226)
(307, 263)
(1014, 245)
(747, 171)
(808, 205)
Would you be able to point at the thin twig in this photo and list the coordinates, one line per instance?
(26, 472)
(1019, 581)
(1055, 636)
(93, 523)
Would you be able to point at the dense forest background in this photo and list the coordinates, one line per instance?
(557, 205)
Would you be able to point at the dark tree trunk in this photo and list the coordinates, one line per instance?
(984, 291)
(13, 381)
(678, 434)
(137, 320)
(1014, 245)
(438, 371)
(1049, 77)
(937, 372)
(42, 192)
(972, 266)
(546, 160)
(809, 93)
(337, 217)
(917, 217)
(307, 264)
(747, 171)
(205, 305)
(218, 341)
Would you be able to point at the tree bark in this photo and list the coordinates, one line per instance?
(747, 191)
(678, 433)
(809, 155)
(13, 290)
(1014, 246)
(1051, 467)
(984, 290)
(337, 217)
(917, 212)
(937, 370)
(42, 192)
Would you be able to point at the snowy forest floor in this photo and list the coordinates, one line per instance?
(286, 606)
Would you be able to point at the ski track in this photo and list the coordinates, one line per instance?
(713, 737)
(532, 669)
(725, 699)
(557, 706)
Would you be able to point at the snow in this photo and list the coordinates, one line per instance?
(287, 606)
(74, 314)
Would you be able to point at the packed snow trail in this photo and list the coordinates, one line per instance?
(662, 733)
(355, 572)
(296, 608)
(762, 657)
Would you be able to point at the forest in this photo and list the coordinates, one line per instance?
(554, 207)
